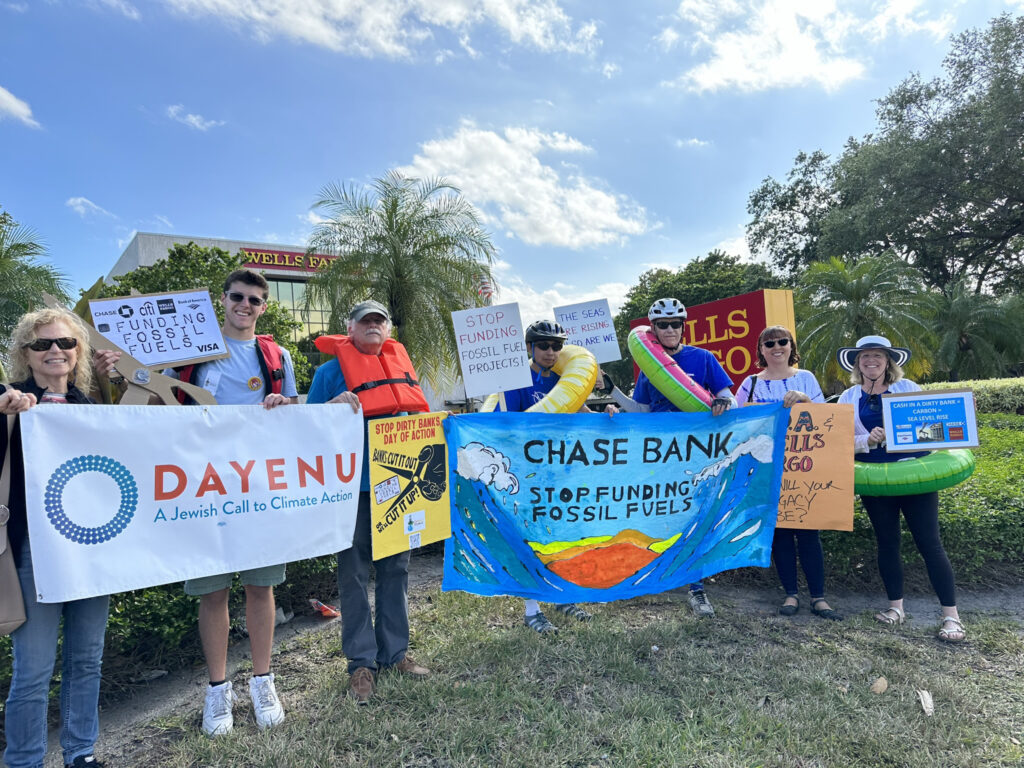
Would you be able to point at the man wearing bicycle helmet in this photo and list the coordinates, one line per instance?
(544, 340)
(667, 318)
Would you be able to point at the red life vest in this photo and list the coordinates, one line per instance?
(271, 366)
(385, 383)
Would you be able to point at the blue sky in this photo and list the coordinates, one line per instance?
(599, 139)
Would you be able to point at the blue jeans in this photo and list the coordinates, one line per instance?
(35, 652)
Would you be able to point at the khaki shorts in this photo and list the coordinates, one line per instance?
(267, 576)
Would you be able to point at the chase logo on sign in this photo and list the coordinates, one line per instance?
(54, 501)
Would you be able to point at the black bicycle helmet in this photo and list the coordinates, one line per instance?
(545, 330)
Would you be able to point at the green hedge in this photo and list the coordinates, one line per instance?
(990, 395)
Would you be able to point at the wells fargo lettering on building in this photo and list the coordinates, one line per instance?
(292, 260)
(729, 328)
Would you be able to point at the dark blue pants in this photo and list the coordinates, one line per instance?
(785, 545)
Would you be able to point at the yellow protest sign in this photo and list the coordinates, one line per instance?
(817, 477)
(409, 501)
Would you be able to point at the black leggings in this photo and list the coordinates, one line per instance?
(921, 512)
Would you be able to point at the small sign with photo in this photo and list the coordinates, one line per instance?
(929, 420)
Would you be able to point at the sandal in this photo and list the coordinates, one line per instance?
(790, 610)
(573, 611)
(825, 613)
(539, 623)
(892, 617)
(954, 633)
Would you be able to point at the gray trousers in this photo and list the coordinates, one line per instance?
(366, 642)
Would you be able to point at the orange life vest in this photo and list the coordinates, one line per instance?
(385, 384)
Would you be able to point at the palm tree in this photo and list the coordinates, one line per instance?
(838, 302)
(978, 335)
(416, 246)
(24, 278)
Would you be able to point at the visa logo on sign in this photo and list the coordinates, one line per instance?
(207, 347)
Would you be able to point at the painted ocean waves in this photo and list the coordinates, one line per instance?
(584, 508)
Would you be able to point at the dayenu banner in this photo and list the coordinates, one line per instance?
(591, 508)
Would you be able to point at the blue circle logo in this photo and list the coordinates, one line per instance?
(54, 501)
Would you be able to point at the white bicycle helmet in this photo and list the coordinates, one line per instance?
(665, 309)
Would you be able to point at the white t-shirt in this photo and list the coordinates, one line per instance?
(238, 380)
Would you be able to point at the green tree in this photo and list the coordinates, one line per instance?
(24, 277)
(416, 246)
(191, 266)
(978, 336)
(939, 183)
(837, 302)
(716, 276)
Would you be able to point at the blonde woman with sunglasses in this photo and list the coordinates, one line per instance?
(876, 368)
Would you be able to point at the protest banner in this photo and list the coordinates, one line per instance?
(126, 497)
(492, 349)
(583, 508)
(817, 479)
(162, 329)
(929, 421)
(409, 501)
(589, 324)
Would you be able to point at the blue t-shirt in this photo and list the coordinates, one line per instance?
(699, 364)
(238, 378)
(518, 400)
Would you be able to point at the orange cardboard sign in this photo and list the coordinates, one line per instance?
(817, 477)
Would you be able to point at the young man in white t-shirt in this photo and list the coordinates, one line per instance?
(242, 379)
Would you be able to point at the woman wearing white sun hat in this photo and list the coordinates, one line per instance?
(876, 368)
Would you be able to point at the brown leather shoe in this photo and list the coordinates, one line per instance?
(409, 667)
(361, 685)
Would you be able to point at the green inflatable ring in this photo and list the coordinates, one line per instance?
(937, 470)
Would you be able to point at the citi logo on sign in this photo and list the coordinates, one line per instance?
(54, 499)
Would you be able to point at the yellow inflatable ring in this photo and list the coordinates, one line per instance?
(577, 374)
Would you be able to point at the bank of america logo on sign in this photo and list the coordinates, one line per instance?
(54, 501)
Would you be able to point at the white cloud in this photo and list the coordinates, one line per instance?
(668, 38)
(503, 175)
(83, 206)
(198, 122)
(610, 70)
(737, 246)
(538, 304)
(13, 107)
(693, 143)
(122, 242)
(122, 7)
(443, 55)
(16, 7)
(469, 49)
(395, 28)
(907, 17)
(753, 45)
(164, 221)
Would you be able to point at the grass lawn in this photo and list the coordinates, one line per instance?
(645, 684)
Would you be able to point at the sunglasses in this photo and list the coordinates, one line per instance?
(875, 403)
(254, 301)
(544, 346)
(772, 342)
(665, 325)
(43, 345)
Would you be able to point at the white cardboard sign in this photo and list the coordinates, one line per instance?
(161, 329)
(589, 324)
(492, 349)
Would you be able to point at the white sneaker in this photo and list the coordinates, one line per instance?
(265, 703)
(217, 717)
(700, 604)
